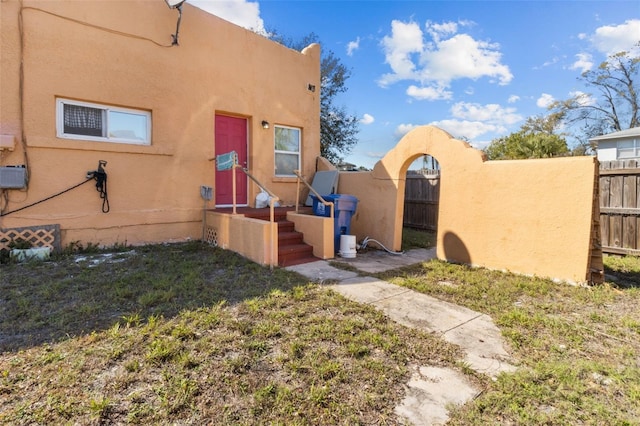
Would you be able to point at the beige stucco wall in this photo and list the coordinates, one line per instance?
(318, 232)
(116, 52)
(253, 238)
(258, 239)
(526, 216)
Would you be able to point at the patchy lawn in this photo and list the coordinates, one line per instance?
(578, 346)
(186, 333)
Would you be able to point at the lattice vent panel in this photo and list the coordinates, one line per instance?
(38, 236)
(211, 236)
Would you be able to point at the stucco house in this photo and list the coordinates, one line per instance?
(102, 81)
(110, 131)
(622, 145)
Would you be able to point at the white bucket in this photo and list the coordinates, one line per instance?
(38, 253)
(348, 246)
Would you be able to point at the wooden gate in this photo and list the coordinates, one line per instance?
(421, 194)
(620, 206)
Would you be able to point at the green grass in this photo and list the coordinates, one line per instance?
(417, 238)
(189, 334)
(577, 346)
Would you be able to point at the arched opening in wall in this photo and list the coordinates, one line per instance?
(421, 197)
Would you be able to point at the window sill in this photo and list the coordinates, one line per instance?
(284, 179)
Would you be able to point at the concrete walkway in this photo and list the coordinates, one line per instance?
(430, 389)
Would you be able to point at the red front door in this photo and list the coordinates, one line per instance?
(231, 135)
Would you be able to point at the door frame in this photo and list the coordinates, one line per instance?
(246, 121)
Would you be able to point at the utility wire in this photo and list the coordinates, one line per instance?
(98, 27)
(52, 196)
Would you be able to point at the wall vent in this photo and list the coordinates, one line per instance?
(13, 177)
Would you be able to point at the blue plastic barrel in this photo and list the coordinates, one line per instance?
(344, 207)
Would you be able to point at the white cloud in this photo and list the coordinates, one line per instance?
(448, 56)
(367, 119)
(405, 40)
(513, 99)
(457, 128)
(583, 99)
(429, 93)
(468, 129)
(610, 39)
(544, 100)
(241, 12)
(480, 144)
(583, 63)
(489, 113)
(403, 129)
(552, 61)
(437, 31)
(463, 57)
(377, 155)
(352, 46)
(471, 120)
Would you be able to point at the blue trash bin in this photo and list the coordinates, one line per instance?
(344, 206)
(320, 209)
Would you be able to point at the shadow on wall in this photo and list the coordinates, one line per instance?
(454, 249)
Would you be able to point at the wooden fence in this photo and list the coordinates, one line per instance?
(620, 206)
(421, 195)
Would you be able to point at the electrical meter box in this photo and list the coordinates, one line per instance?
(13, 177)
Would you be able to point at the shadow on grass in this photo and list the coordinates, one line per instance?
(72, 295)
(622, 271)
(417, 238)
(622, 279)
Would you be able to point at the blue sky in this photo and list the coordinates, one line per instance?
(477, 69)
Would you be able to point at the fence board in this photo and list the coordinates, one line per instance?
(629, 221)
(620, 206)
(421, 201)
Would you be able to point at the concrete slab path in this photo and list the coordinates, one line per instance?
(431, 389)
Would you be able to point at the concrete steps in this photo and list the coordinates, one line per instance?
(291, 247)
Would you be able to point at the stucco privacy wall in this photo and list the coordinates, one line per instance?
(526, 216)
(118, 53)
(252, 238)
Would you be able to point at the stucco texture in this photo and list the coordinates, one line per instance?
(119, 53)
(526, 216)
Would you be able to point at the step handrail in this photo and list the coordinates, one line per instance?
(313, 191)
(273, 199)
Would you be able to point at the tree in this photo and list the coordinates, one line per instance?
(338, 128)
(547, 124)
(616, 105)
(527, 144)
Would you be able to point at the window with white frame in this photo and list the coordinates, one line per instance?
(628, 149)
(104, 123)
(287, 150)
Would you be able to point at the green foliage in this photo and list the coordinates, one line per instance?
(338, 128)
(20, 244)
(417, 238)
(524, 144)
(100, 407)
(624, 264)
